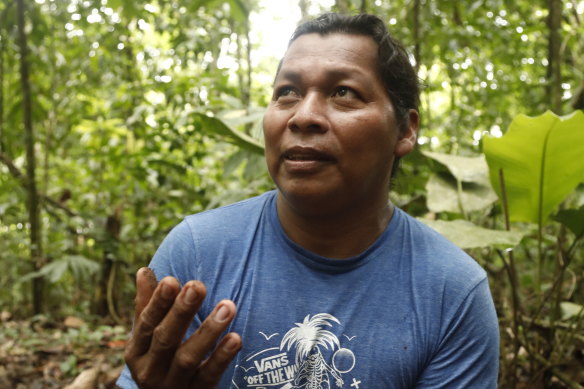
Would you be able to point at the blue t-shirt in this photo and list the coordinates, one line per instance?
(411, 311)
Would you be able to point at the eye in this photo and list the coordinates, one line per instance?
(285, 91)
(346, 93)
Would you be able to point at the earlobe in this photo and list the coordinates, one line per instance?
(407, 140)
(405, 145)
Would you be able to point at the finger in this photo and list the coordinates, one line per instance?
(213, 368)
(145, 285)
(169, 334)
(151, 316)
(192, 353)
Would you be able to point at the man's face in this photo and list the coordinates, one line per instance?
(330, 130)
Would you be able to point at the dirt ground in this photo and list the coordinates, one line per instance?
(70, 354)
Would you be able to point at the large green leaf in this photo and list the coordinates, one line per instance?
(542, 162)
(467, 235)
(465, 169)
(467, 189)
(216, 126)
(443, 195)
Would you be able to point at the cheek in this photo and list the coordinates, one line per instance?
(270, 130)
(274, 120)
(271, 140)
(371, 138)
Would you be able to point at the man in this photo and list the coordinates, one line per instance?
(334, 286)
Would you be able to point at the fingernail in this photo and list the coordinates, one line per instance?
(190, 295)
(166, 291)
(231, 345)
(222, 314)
(147, 272)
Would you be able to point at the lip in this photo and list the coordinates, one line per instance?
(303, 153)
(302, 159)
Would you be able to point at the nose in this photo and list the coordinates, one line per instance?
(309, 114)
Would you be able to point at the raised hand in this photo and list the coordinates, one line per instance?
(155, 353)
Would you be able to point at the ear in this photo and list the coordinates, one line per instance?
(407, 139)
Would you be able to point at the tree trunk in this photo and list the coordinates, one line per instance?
(303, 5)
(248, 60)
(243, 72)
(417, 34)
(342, 6)
(363, 8)
(554, 86)
(34, 218)
(3, 37)
(2, 45)
(554, 75)
(104, 303)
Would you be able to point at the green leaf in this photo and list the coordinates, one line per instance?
(571, 310)
(234, 162)
(238, 117)
(216, 126)
(79, 266)
(471, 174)
(573, 219)
(442, 195)
(465, 169)
(541, 159)
(255, 167)
(467, 235)
(238, 9)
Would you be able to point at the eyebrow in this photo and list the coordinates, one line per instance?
(335, 73)
(290, 75)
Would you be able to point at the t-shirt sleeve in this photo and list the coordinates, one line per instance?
(174, 257)
(468, 354)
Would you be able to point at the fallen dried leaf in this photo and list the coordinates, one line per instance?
(73, 322)
(120, 343)
(86, 380)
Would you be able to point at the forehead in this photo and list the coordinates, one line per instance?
(340, 51)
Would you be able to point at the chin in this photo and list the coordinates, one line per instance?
(311, 199)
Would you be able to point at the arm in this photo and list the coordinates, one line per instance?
(468, 354)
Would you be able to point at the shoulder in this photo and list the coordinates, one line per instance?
(430, 250)
(209, 234)
(447, 273)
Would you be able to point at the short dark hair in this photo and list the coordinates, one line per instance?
(397, 73)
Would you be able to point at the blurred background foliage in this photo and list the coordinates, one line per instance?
(118, 118)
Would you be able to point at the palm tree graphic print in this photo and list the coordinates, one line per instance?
(307, 356)
(308, 338)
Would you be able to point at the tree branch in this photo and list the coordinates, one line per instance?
(14, 171)
(17, 174)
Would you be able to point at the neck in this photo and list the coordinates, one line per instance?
(339, 235)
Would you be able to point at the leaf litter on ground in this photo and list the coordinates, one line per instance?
(73, 354)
